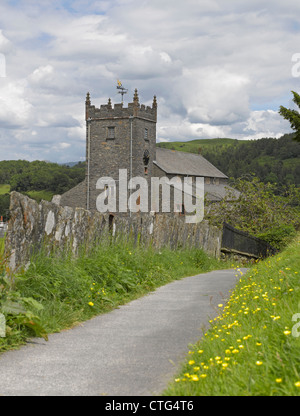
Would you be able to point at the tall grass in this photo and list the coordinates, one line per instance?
(253, 347)
(69, 290)
(2, 243)
(4, 189)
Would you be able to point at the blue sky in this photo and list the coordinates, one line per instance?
(219, 68)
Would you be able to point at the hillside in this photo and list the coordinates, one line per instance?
(38, 179)
(271, 160)
(200, 145)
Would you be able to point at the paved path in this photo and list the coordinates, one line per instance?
(131, 351)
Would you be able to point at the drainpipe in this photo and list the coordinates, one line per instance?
(88, 164)
(131, 120)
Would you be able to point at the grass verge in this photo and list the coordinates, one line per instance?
(252, 348)
(39, 195)
(56, 293)
(4, 189)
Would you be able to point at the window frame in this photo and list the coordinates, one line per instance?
(111, 133)
(146, 134)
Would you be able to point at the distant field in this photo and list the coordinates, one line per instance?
(39, 195)
(4, 189)
(197, 146)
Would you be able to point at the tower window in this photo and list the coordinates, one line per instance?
(111, 133)
(146, 134)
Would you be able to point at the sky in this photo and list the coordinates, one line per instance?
(219, 68)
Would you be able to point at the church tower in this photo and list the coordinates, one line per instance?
(117, 138)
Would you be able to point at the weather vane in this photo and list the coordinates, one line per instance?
(122, 89)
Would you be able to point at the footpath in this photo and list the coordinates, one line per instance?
(134, 350)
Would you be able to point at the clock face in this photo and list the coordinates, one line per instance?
(146, 157)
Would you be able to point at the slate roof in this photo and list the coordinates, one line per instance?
(182, 163)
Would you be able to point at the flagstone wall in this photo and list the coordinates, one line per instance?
(51, 226)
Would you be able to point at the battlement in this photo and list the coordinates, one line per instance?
(134, 109)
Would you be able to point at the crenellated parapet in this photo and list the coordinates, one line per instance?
(134, 109)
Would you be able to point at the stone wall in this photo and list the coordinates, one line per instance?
(52, 226)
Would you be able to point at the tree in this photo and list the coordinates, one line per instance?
(4, 206)
(293, 116)
(258, 209)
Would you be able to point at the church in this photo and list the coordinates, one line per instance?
(124, 138)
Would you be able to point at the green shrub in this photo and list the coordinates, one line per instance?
(280, 236)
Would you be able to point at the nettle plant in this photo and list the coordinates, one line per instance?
(16, 311)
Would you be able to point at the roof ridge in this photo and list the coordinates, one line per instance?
(186, 163)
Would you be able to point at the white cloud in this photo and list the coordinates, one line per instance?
(5, 44)
(214, 96)
(41, 74)
(266, 123)
(63, 145)
(15, 109)
(219, 69)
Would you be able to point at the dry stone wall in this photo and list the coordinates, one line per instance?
(51, 226)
